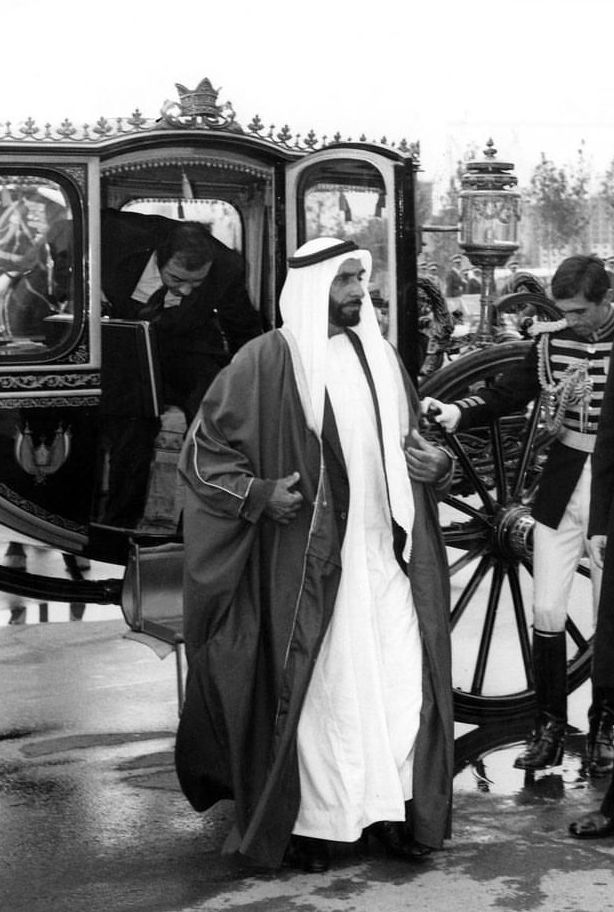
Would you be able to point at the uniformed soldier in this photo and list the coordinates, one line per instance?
(567, 366)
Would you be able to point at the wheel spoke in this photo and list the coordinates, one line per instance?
(464, 535)
(487, 630)
(470, 535)
(499, 462)
(464, 561)
(463, 507)
(521, 623)
(469, 469)
(469, 591)
(573, 631)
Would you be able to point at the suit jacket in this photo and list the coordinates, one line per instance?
(216, 319)
(601, 522)
(455, 285)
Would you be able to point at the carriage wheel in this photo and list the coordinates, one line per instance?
(487, 528)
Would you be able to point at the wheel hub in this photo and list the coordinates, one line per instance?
(514, 532)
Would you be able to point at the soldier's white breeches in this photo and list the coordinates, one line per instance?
(556, 555)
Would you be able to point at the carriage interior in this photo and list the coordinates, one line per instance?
(233, 197)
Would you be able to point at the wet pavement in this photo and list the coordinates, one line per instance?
(92, 819)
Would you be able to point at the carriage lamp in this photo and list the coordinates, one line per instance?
(488, 229)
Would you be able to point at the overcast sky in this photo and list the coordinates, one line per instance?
(536, 75)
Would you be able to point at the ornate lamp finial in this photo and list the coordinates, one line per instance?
(489, 215)
(490, 151)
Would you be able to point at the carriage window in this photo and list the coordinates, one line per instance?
(347, 199)
(38, 299)
(222, 219)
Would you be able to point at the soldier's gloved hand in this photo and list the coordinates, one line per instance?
(445, 414)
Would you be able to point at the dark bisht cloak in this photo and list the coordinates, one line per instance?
(259, 596)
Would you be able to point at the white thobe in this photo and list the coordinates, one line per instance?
(361, 714)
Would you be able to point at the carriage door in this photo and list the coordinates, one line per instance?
(49, 343)
(359, 194)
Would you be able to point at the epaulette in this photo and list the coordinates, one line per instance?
(538, 327)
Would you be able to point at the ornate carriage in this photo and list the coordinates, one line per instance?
(263, 191)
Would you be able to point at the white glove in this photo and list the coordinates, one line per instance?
(445, 414)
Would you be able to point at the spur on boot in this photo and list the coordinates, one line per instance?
(312, 855)
(394, 837)
(545, 748)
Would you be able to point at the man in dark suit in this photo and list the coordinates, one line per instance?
(473, 285)
(191, 288)
(189, 285)
(599, 823)
(455, 283)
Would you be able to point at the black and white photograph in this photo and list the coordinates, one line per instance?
(306, 456)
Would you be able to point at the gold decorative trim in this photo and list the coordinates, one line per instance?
(180, 161)
(32, 509)
(81, 354)
(196, 110)
(45, 457)
(50, 402)
(49, 381)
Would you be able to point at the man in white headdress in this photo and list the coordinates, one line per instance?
(316, 587)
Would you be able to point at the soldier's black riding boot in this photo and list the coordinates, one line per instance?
(600, 738)
(547, 742)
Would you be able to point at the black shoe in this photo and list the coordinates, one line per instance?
(600, 748)
(310, 854)
(398, 843)
(545, 748)
(592, 826)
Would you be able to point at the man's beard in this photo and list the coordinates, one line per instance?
(339, 316)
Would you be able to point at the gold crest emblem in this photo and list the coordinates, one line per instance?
(42, 459)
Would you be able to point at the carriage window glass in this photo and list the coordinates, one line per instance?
(347, 199)
(222, 218)
(38, 298)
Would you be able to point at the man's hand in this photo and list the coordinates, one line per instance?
(283, 503)
(425, 462)
(597, 545)
(446, 415)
